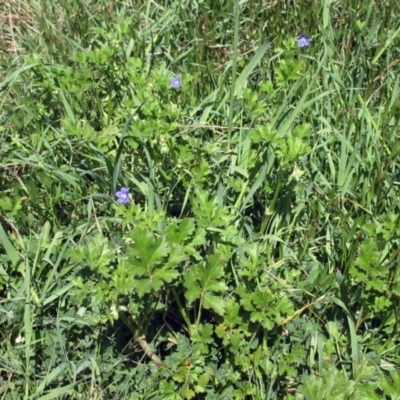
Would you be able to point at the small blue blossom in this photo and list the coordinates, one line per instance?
(122, 195)
(176, 82)
(303, 40)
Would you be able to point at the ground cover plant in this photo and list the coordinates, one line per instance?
(199, 200)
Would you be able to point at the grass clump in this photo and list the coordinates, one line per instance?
(198, 203)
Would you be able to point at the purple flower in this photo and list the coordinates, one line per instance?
(303, 40)
(122, 195)
(176, 82)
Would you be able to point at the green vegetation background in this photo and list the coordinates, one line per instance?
(258, 256)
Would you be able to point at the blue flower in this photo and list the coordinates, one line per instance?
(176, 82)
(122, 195)
(303, 40)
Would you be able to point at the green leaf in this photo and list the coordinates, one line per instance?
(182, 232)
(11, 252)
(197, 240)
(214, 302)
(193, 291)
(147, 251)
(202, 282)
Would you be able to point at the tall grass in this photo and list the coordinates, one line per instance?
(264, 200)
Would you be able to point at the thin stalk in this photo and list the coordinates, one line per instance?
(234, 69)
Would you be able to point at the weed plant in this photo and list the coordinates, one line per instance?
(199, 199)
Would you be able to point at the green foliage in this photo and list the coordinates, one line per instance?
(334, 384)
(258, 255)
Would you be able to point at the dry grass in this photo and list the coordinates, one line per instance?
(15, 16)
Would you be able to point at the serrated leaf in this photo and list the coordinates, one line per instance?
(179, 234)
(204, 333)
(176, 256)
(214, 302)
(147, 251)
(142, 287)
(199, 389)
(247, 304)
(181, 374)
(193, 291)
(166, 273)
(261, 298)
(210, 276)
(202, 281)
(187, 393)
(369, 255)
(376, 284)
(231, 317)
(198, 239)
